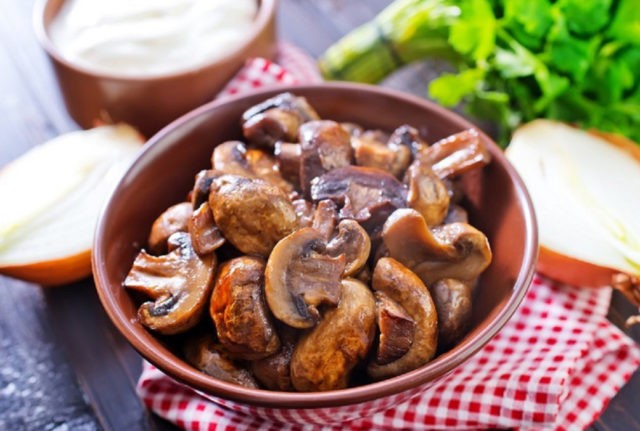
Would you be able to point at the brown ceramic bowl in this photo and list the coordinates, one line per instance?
(148, 103)
(164, 172)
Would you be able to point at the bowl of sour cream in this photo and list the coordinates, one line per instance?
(147, 62)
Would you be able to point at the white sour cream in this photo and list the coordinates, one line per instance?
(150, 37)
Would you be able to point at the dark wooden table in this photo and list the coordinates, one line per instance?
(62, 364)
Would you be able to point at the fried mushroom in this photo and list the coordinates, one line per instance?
(252, 214)
(372, 149)
(353, 242)
(205, 235)
(456, 250)
(300, 277)
(179, 284)
(456, 154)
(367, 195)
(274, 371)
(173, 219)
(397, 329)
(233, 157)
(238, 310)
(454, 305)
(403, 287)
(276, 119)
(211, 358)
(427, 194)
(325, 145)
(325, 356)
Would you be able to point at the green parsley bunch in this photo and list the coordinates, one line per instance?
(516, 60)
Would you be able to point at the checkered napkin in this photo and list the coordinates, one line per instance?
(555, 365)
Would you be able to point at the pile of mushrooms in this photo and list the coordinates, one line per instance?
(325, 253)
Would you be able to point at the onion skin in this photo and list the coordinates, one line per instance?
(54, 272)
(569, 270)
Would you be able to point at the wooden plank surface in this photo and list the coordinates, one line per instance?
(62, 363)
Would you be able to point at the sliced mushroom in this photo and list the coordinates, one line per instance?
(409, 137)
(173, 219)
(324, 357)
(230, 158)
(403, 287)
(239, 312)
(325, 218)
(325, 146)
(205, 235)
(397, 329)
(454, 305)
(212, 359)
(288, 156)
(427, 194)
(252, 214)
(179, 284)
(371, 149)
(456, 250)
(276, 119)
(300, 277)
(367, 195)
(202, 185)
(352, 241)
(456, 154)
(274, 372)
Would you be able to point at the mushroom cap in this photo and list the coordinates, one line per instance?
(352, 241)
(455, 250)
(456, 154)
(276, 119)
(211, 358)
(173, 219)
(427, 193)
(404, 287)
(252, 214)
(205, 235)
(233, 157)
(179, 284)
(300, 277)
(367, 195)
(238, 309)
(324, 357)
(453, 300)
(325, 145)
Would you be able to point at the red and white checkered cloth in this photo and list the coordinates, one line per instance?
(555, 365)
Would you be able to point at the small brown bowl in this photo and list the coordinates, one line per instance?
(162, 175)
(148, 103)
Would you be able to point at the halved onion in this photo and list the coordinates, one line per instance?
(585, 188)
(51, 197)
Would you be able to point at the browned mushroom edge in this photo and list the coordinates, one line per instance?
(325, 356)
(252, 214)
(179, 284)
(211, 358)
(456, 250)
(300, 277)
(242, 320)
(409, 292)
(173, 219)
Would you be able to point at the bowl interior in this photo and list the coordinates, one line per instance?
(163, 174)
